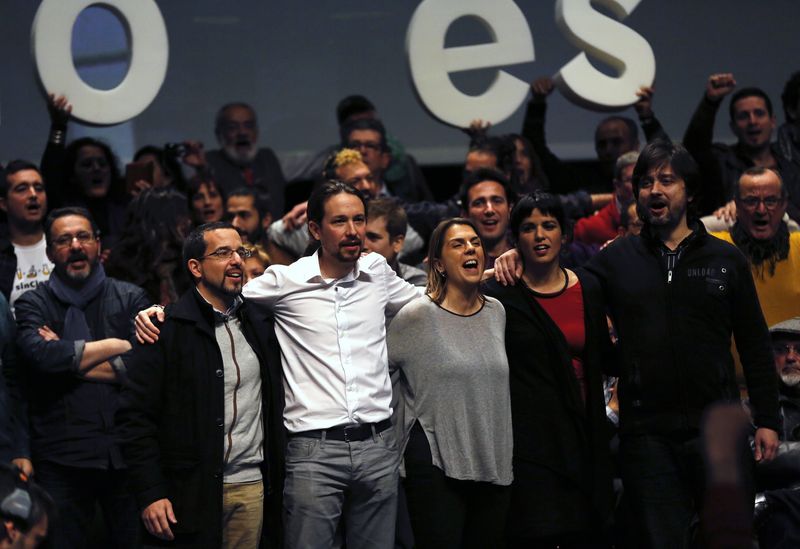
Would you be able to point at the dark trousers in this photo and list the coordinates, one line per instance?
(664, 478)
(77, 493)
(549, 511)
(449, 513)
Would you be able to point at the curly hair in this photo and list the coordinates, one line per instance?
(149, 251)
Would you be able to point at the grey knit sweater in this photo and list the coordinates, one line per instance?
(454, 381)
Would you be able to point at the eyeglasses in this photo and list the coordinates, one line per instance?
(65, 240)
(786, 348)
(224, 254)
(752, 202)
(359, 145)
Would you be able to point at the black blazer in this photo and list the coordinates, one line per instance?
(170, 422)
(552, 427)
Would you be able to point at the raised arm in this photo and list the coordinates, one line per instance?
(644, 110)
(699, 136)
(54, 155)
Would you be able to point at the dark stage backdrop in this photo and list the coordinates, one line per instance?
(294, 60)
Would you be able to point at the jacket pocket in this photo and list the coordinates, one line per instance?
(717, 287)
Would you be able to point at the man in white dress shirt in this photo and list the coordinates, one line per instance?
(330, 314)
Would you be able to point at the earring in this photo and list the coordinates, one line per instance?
(443, 273)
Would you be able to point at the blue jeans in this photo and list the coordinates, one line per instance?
(77, 493)
(331, 481)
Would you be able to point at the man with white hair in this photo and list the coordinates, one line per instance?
(777, 512)
(240, 162)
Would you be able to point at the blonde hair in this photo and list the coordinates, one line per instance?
(259, 253)
(342, 157)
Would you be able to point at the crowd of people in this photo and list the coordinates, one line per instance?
(558, 355)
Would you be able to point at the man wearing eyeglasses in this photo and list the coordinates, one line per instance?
(763, 237)
(72, 330)
(368, 136)
(752, 121)
(201, 416)
(777, 511)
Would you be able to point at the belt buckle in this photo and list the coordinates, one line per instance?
(349, 428)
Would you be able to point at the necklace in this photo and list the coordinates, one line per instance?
(553, 294)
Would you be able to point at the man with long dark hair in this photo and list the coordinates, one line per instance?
(330, 319)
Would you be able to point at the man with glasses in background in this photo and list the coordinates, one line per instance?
(72, 330)
(763, 236)
(368, 136)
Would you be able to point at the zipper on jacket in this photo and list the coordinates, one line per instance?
(669, 276)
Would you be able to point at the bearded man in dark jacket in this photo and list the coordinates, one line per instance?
(201, 414)
(676, 295)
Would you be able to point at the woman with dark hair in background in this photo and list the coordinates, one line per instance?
(557, 343)
(454, 414)
(205, 201)
(528, 165)
(148, 253)
(85, 174)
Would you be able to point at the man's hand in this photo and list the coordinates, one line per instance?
(48, 334)
(23, 464)
(727, 213)
(59, 109)
(146, 331)
(157, 517)
(139, 187)
(195, 155)
(766, 443)
(508, 268)
(541, 88)
(644, 106)
(719, 85)
(296, 217)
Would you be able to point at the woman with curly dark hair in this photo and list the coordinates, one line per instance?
(148, 252)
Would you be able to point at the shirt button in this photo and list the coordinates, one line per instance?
(722, 288)
(220, 423)
(219, 373)
(724, 270)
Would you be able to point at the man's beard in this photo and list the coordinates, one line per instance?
(790, 380)
(231, 290)
(241, 158)
(762, 253)
(75, 276)
(344, 257)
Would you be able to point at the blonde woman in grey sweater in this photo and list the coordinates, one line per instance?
(454, 410)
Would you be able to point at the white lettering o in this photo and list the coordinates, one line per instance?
(52, 50)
